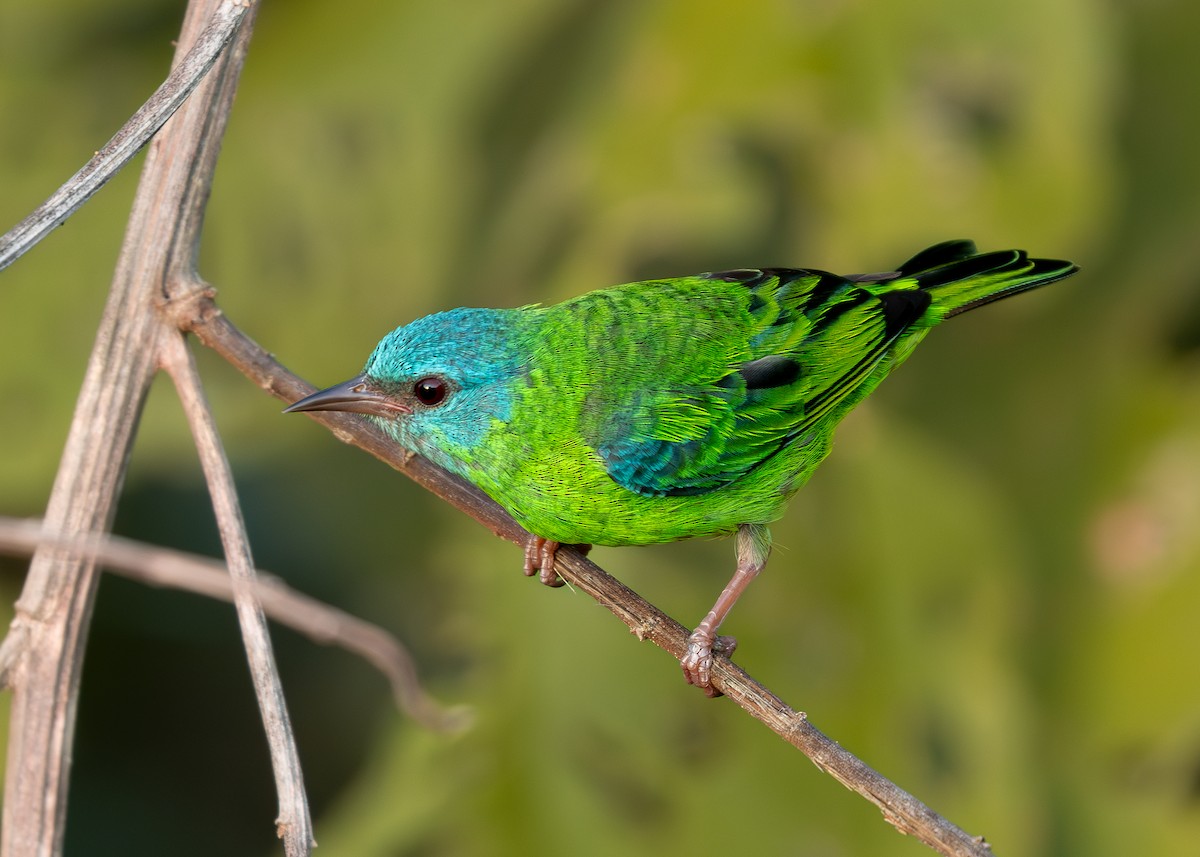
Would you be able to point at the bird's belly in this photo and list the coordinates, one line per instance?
(587, 507)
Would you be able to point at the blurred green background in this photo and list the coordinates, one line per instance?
(989, 591)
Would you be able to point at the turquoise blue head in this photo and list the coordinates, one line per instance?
(436, 385)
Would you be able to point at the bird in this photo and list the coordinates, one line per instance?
(664, 409)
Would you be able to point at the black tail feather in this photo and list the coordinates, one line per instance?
(938, 255)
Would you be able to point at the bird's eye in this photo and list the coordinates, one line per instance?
(430, 391)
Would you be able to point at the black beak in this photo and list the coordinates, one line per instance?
(357, 396)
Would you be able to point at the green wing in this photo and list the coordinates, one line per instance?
(809, 341)
(810, 345)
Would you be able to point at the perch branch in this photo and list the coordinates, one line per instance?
(901, 809)
(320, 622)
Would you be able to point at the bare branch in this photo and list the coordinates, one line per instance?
(320, 622)
(128, 141)
(294, 823)
(905, 812)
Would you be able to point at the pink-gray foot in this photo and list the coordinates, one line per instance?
(539, 557)
(697, 661)
(753, 547)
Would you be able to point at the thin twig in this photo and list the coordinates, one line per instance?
(128, 141)
(294, 823)
(901, 809)
(320, 622)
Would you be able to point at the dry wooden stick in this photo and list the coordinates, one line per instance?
(323, 623)
(901, 809)
(294, 823)
(134, 134)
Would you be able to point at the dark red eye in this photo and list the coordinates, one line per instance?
(430, 391)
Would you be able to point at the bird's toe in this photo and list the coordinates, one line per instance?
(539, 559)
(533, 554)
(697, 660)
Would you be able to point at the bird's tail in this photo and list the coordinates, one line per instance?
(958, 278)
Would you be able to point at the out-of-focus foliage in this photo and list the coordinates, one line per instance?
(989, 591)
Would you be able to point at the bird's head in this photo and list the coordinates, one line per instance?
(437, 385)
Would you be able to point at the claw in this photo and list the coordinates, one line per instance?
(533, 550)
(698, 660)
(725, 645)
(539, 557)
(547, 575)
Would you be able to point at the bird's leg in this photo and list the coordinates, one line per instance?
(753, 547)
(539, 557)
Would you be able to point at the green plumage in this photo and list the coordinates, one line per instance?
(642, 417)
(664, 409)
